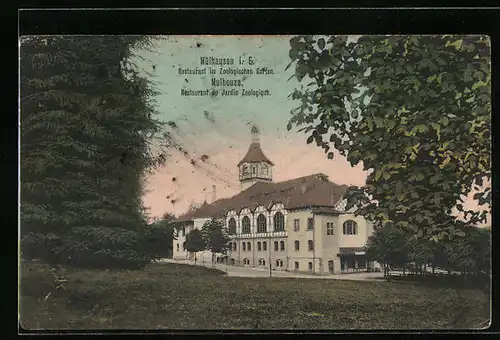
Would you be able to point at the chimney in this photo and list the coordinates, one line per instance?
(303, 188)
(214, 193)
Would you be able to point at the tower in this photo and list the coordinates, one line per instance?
(255, 166)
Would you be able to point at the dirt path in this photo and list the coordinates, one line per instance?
(260, 272)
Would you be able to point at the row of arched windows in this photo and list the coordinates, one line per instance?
(261, 246)
(278, 222)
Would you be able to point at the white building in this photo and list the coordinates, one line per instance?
(296, 225)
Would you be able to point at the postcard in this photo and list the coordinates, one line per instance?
(255, 182)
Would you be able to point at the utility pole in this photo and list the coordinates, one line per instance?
(270, 270)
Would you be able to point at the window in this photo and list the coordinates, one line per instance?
(262, 262)
(297, 245)
(246, 261)
(279, 222)
(264, 246)
(296, 265)
(232, 226)
(329, 228)
(259, 246)
(296, 224)
(244, 246)
(245, 170)
(264, 169)
(261, 224)
(350, 227)
(234, 245)
(310, 223)
(183, 232)
(253, 170)
(276, 245)
(245, 225)
(282, 245)
(249, 246)
(310, 266)
(279, 263)
(310, 245)
(177, 246)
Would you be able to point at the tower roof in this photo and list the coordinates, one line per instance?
(255, 155)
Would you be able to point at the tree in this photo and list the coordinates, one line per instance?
(86, 130)
(414, 110)
(215, 236)
(388, 245)
(194, 242)
(470, 253)
(159, 236)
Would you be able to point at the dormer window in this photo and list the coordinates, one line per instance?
(253, 170)
(264, 169)
(245, 170)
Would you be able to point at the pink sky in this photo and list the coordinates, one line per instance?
(291, 160)
(219, 127)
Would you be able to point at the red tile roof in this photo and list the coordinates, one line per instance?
(255, 155)
(313, 190)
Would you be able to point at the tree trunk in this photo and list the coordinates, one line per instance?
(433, 269)
(404, 271)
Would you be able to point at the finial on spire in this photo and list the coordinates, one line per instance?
(255, 134)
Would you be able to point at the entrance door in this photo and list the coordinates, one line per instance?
(330, 267)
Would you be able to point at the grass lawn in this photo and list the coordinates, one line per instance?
(171, 296)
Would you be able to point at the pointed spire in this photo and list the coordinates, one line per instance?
(255, 134)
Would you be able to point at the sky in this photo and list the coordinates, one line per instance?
(218, 127)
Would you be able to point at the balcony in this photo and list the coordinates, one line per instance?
(260, 235)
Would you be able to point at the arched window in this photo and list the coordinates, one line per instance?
(350, 227)
(261, 224)
(234, 245)
(245, 170)
(310, 266)
(276, 245)
(244, 246)
(296, 266)
(297, 245)
(264, 246)
(279, 263)
(246, 261)
(245, 225)
(279, 222)
(310, 245)
(262, 262)
(259, 246)
(282, 245)
(249, 246)
(232, 226)
(253, 170)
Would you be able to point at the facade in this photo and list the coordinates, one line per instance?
(297, 225)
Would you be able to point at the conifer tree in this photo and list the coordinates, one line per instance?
(86, 127)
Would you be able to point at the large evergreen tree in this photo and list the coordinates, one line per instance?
(86, 124)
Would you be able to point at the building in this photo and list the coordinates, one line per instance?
(296, 225)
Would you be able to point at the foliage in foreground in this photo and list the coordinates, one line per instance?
(470, 254)
(189, 297)
(414, 109)
(86, 128)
